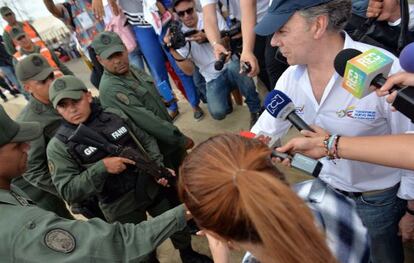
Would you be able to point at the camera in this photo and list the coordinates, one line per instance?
(177, 39)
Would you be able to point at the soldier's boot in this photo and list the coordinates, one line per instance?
(188, 255)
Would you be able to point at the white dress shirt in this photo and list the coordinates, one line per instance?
(340, 113)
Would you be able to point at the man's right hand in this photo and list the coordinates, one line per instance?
(199, 37)
(167, 38)
(249, 57)
(220, 49)
(311, 145)
(374, 8)
(116, 165)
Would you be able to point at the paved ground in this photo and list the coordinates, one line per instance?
(199, 131)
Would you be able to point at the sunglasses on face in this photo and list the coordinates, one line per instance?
(189, 11)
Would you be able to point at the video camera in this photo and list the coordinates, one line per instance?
(178, 37)
(87, 136)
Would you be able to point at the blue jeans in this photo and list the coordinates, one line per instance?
(381, 213)
(9, 72)
(154, 56)
(188, 83)
(136, 59)
(218, 91)
(200, 84)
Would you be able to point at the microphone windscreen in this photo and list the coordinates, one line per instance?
(407, 58)
(342, 58)
(275, 102)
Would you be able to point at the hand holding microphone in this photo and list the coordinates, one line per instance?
(296, 160)
(219, 64)
(402, 78)
(361, 71)
(312, 145)
(280, 106)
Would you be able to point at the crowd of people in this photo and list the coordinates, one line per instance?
(119, 157)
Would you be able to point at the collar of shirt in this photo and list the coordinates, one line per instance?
(40, 107)
(304, 76)
(7, 197)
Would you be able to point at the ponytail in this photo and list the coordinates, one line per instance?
(231, 187)
(283, 222)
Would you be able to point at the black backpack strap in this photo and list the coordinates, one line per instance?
(405, 17)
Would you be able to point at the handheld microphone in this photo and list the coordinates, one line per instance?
(280, 106)
(298, 161)
(407, 58)
(219, 64)
(361, 70)
(245, 68)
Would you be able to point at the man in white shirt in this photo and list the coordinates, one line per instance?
(218, 82)
(256, 49)
(310, 39)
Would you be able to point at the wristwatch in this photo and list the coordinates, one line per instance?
(410, 211)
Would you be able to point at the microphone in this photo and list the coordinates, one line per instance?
(361, 70)
(280, 106)
(219, 64)
(298, 161)
(407, 58)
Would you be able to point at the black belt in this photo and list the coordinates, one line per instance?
(366, 193)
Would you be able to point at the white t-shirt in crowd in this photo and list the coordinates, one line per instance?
(202, 54)
(261, 7)
(410, 21)
(341, 113)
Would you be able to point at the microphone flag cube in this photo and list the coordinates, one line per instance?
(278, 104)
(362, 69)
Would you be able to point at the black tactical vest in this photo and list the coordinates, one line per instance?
(115, 130)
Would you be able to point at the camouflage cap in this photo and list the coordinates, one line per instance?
(17, 32)
(66, 87)
(11, 131)
(33, 67)
(107, 43)
(5, 10)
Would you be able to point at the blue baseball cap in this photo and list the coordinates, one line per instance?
(279, 13)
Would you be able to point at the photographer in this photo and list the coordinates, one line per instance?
(219, 82)
(257, 50)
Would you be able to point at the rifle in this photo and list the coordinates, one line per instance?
(89, 137)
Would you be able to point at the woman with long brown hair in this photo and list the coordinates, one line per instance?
(236, 194)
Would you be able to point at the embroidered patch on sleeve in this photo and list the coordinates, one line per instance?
(60, 240)
(122, 98)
